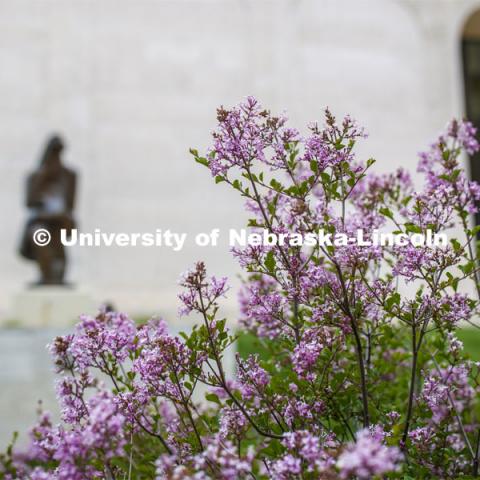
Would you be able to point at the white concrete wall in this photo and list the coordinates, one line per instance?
(133, 84)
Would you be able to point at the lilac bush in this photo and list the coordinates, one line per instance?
(359, 373)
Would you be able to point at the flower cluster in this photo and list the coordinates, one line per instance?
(357, 371)
(368, 457)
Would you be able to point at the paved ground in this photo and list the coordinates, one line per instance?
(26, 376)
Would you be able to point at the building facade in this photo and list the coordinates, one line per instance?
(133, 85)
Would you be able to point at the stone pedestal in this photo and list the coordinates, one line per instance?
(51, 306)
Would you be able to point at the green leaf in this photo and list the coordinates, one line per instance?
(394, 299)
(456, 245)
(325, 177)
(412, 228)
(276, 185)
(270, 261)
(202, 161)
(467, 268)
(386, 212)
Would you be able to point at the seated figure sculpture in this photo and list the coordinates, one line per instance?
(50, 198)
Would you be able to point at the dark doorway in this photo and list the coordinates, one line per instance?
(471, 75)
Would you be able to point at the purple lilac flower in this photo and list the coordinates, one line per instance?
(107, 334)
(367, 457)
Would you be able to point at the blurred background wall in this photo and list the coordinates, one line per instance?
(131, 85)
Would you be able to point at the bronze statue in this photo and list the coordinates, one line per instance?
(50, 199)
